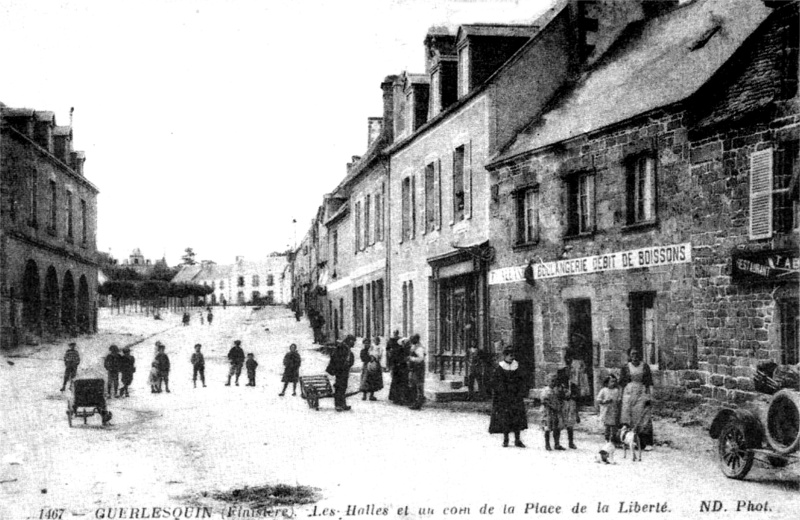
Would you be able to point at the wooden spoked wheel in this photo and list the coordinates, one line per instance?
(735, 455)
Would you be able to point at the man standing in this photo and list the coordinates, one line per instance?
(339, 367)
(236, 359)
(111, 364)
(71, 361)
(416, 372)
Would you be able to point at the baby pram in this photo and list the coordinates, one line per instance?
(87, 399)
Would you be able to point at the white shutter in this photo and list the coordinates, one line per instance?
(468, 181)
(761, 194)
(427, 200)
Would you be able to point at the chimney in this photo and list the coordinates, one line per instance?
(76, 161)
(43, 129)
(354, 161)
(441, 64)
(399, 111)
(387, 86)
(62, 143)
(374, 126)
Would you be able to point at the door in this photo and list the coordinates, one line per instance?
(581, 346)
(522, 338)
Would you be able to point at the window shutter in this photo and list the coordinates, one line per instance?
(453, 190)
(413, 206)
(590, 202)
(761, 194)
(427, 202)
(468, 181)
(437, 194)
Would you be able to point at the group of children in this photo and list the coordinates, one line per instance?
(119, 366)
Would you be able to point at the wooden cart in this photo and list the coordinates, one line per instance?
(316, 387)
(87, 399)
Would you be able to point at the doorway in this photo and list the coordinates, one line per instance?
(581, 346)
(522, 338)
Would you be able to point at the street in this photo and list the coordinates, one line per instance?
(179, 449)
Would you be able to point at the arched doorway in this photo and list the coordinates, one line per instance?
(31, 298)
(68, 304)
(52, 305)
(84, 306)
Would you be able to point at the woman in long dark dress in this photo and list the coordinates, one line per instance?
(291, 369)
(508, 405)
(398, 390)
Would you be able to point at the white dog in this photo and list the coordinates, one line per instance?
(630, 440)
(606, 455)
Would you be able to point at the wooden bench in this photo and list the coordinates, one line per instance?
(314, 388)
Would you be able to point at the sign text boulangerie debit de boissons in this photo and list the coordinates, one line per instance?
(621, 260)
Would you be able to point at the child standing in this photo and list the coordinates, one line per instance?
(198, 366)
(608, 399)
(127, 366)
(111, 365)
(162, 362)
(251, 364)
(551, 413)
(569, 410)
(153, 379)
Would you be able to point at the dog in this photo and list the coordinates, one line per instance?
(630, 440)
(606, 455)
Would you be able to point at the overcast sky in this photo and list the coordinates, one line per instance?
(214, 124)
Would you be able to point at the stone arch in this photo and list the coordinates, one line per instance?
(68, 303)
(51, 308)
(84, 309)
(31, 297)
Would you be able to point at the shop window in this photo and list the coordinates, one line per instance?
(790, 332)
(580, 204)
(643, 326)
(641, 190)
(527, 215)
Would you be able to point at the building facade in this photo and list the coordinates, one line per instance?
(47, 237)
(638, 227)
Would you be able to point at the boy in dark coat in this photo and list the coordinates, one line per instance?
(71, 361)
(339, 367)
(251, 364)
(162, 365)
(236, 359)
(127, 366)
(111, 365)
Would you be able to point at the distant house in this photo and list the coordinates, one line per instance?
(241, 283)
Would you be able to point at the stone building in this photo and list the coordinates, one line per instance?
(654, 205)
(48, 268)
(483, 84)
(355, 271)
(242, 283)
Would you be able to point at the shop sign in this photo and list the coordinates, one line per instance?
(622, 260)
(766, 266)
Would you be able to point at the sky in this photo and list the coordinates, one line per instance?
(216, 124)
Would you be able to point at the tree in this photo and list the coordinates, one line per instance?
(188, 256)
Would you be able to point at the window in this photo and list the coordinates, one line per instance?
(790, 332)
(33, 200)
(379, 215)
(270, 280)
(84, 237)
(408, 308)
(335, 250)
(53, 206)
(357, 221)
(341, 313)
(70, 228)
(358, 310)
(405, 309)
(256, 281)
(408, 209)
(213, 285)
(527, 215)
(431, 205)
(367, 237)
(222, 284)
(641, 190)
(458, 184)
(240, 281)
(773, 190)
(786, 203)
(643, 326)
(13, 197)
(377, 296)
(368, 311)
(580, 204)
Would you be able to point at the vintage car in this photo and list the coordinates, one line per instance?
(766, 429)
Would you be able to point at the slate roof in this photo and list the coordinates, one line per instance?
(654, 64)
(187, 274)
(504, 30)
